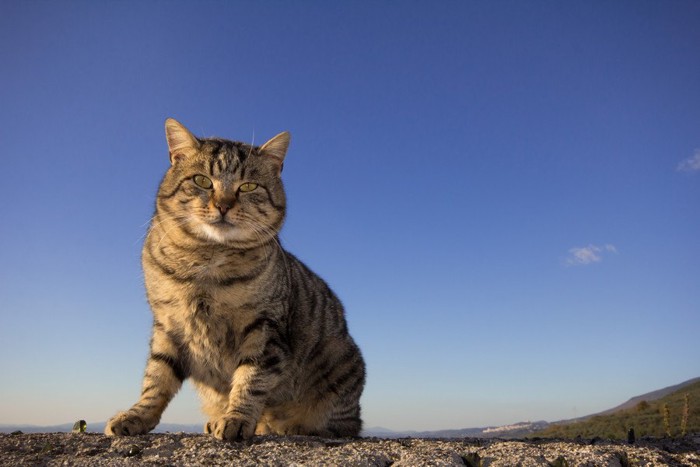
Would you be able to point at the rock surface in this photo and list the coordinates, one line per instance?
(88, 449)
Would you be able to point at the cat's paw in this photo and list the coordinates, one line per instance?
(231, 428)
(127, 424)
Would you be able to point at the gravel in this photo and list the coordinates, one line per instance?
(90, 449)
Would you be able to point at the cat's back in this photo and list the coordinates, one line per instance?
(317, 305)
(319, 326)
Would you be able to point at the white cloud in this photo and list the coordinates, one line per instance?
(610, 248)
(581, 256)
(691, 164)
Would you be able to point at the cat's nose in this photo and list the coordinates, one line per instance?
(224, 206)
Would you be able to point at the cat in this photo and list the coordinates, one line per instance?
(263, 339)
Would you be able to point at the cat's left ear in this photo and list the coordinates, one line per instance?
(181, 142)
(277, 148)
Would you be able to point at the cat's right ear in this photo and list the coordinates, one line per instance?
(181, 142)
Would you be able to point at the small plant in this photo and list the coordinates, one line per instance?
(686, 412)
(667, 419)
(80, 426)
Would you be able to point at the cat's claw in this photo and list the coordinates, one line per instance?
(230, 428)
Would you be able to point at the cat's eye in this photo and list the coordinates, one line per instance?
(246, 187)
(202, 182)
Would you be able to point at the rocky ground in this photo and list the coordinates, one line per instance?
(88, 449)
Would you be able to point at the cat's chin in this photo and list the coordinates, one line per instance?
(220, 232)
(224, 233)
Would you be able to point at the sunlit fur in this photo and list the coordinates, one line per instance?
(263, 339)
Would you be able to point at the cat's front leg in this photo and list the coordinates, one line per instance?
(165, 372)
(251, 383)
(264, 360)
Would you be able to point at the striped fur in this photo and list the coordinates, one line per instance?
(263, 339)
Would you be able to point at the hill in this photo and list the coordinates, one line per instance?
(650, 396)
(672, 414)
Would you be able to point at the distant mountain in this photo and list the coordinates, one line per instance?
(516, 430)
(98, 427)
(379, 432)
(67, 427)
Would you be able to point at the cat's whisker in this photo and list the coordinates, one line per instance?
(272, 233)
(252, 144)
(166, 233)
(263, 232)
(147, 223)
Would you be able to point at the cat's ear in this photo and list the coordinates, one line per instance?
(277, 148)
(181, 142)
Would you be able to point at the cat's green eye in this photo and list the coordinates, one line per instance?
(246, 187)
(202, 182)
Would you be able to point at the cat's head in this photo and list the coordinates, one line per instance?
(222, 191)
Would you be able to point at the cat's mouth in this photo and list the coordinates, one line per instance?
(221, 223)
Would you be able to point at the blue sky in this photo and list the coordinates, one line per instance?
(504, 194)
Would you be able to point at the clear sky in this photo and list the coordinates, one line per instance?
(504, 194)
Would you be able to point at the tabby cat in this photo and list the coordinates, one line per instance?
(263, 339)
